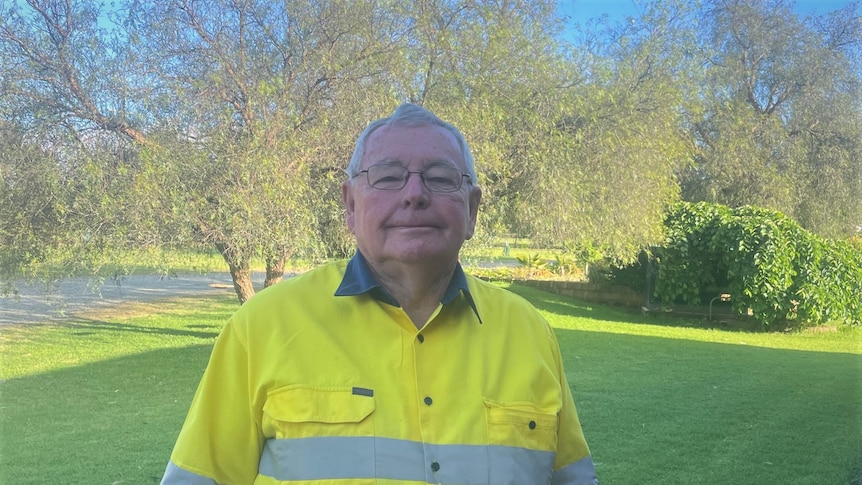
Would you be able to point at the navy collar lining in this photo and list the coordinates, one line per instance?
(359, 279)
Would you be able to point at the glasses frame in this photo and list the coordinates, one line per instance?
(421, 174)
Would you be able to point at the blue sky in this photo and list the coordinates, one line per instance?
(580, 11)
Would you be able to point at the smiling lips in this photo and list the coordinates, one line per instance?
(412, 226)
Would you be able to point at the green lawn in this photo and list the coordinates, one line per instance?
(100, 400)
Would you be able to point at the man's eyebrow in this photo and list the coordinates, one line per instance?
(438, 162)
(389, 161)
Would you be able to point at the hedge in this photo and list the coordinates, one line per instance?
(764, 259)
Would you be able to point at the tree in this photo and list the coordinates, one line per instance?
(616, 142)
(250, 83)
(555, 147)
(226, 124)
(31, 202)
(492, 69)
(70, 136)
(781, 113)
(62, 67)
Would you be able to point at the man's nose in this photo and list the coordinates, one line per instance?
(414, 190)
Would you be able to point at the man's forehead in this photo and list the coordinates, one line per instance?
(427, 162)
(392, 143)
(411, 130)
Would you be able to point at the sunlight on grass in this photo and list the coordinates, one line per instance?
(575, 315)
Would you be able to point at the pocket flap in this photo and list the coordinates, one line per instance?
(303, 404)
(521, 417)
(521, 425)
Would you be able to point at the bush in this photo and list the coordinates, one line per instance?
(764, 259)
(638, 275)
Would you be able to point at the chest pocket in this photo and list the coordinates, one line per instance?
(310, 411)
(521, 426)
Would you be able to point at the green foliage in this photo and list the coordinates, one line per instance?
(764, 259)
(532, 260)
(564, 265)
(638, 275)
(533, 263)
(62, 211)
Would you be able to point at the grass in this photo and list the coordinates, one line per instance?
(100, 398)
(662, 402)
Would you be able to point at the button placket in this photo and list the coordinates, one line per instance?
(428, 410)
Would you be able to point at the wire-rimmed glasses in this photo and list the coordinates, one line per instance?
(437, 178)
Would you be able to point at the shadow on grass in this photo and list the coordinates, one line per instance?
(88, 327)
(114, 421)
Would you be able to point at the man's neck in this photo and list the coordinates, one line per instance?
(417, 288)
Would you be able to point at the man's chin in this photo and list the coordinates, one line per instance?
(424, 255)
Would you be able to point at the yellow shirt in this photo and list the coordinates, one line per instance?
(306, 387)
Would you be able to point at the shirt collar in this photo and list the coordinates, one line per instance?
(359, 279)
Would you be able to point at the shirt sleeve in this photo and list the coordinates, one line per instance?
(573, 465)
(221, 439)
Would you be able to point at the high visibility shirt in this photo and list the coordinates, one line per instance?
(306, 386)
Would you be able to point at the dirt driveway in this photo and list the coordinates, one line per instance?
(36, 303)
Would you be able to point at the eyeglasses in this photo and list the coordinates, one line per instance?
(394, 177)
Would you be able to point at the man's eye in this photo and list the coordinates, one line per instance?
(388, 178)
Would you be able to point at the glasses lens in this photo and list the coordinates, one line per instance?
(387, 177)
(443, 179)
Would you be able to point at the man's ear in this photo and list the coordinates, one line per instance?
(349, 202)
(475, 198)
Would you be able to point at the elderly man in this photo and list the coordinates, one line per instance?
(393, 367)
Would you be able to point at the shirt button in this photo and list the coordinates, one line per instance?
(532, 425)
(435, 466)
(428, 400)
(421, 338)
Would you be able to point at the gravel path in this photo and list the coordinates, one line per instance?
(36, 303)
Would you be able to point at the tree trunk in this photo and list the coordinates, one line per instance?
(240, 272)
(274, 269)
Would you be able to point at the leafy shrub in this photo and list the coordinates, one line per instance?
(534, 263)
(565, 265)
(531, 260)
(637, 275)
(764, 259)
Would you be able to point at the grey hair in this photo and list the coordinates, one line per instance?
(410, 115)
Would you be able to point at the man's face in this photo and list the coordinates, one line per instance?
(412, 224)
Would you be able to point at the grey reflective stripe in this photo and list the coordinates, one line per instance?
(322, 458)
(581, 472)
(175, 475)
